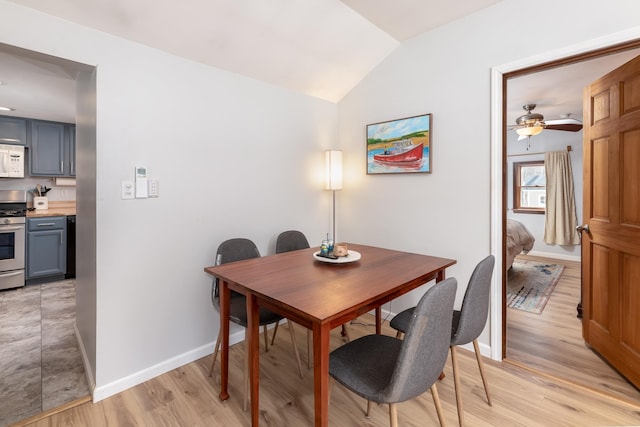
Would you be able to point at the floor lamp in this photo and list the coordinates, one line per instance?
(333, 177)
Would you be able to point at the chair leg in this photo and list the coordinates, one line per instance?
(481, 367)
(332, 381)
(436, 402)
(215, 354)
(399, 335)
(367, 415)
(456, 382)
(393, 414)
(345, 333)
(295, 347)
(309, 349)
(266, 338)
(246, 373)
(275, 331)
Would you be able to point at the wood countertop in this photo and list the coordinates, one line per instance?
(55, 209)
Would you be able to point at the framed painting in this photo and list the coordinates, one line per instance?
(399, 146)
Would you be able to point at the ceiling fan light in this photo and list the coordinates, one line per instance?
(529, 130)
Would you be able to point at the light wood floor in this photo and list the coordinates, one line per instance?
(187, 396)
(552, 342)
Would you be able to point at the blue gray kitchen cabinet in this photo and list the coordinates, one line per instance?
(52, 148)
(47, 148)
(13, 130)
(46, 248)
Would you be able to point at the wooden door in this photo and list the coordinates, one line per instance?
(611, 245)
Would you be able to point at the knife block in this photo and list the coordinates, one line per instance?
(41, 203)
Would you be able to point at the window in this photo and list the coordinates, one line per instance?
(529, 187)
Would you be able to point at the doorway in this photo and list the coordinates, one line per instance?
(60, 90)
(551, 344)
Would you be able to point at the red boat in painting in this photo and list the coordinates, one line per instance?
(402, 153)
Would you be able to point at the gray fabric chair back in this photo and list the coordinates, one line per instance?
(426, 344)
(291, 240)
(236, 250)
(475, 305)
(229, 251)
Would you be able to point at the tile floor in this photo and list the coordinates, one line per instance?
(40, 363)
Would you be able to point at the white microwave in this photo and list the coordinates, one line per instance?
(11, 161)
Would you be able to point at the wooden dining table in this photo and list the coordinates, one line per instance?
(318, 295)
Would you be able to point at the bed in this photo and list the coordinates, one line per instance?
(519, 240)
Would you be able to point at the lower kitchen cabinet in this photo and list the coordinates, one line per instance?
(46, 248)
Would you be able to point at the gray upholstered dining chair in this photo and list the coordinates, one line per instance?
(468, 323)
(236, 250)
(293, 240)
(389, 370)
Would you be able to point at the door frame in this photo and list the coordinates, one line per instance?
(575, 53)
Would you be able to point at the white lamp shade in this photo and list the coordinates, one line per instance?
(529, 130)
(333, 170)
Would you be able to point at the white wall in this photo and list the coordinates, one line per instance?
(234, 157)
(447, 72)
(548, 140)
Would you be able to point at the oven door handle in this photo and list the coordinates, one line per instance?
(4, 229)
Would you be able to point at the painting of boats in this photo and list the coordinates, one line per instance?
(404, 152)
(399, 146)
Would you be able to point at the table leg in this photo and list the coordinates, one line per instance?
(378, 320)
(225, 297)
(440, 278)
(253, 329)
(321, 374)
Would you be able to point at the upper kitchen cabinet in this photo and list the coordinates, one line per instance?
(52, 148)
(13, 130)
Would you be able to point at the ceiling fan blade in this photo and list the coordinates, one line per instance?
(571, 125)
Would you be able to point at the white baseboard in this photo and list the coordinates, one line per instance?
(577, 258)
(115, 387)
(88, 372)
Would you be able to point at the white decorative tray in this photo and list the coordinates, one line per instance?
(351, 257)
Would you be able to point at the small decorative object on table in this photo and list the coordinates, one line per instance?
(340, 249)
(324, 248)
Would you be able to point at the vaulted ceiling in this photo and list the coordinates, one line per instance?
(321, 48)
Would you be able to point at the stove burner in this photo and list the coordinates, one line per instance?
(13, 203)
(13, 212)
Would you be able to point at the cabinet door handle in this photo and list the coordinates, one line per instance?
(46, 224)
(62, 166)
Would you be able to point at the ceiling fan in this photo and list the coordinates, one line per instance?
(531, 124)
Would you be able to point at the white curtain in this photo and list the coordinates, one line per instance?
(560, 213)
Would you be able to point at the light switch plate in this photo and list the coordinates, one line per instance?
(128, 190)
(154, 188)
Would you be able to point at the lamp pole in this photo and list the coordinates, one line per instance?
(333, 177)
(334, 218)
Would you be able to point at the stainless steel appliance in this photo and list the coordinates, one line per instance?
(13, 211)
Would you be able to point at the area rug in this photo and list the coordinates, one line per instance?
(530, 284)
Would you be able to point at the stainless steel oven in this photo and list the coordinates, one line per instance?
(13, 207)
